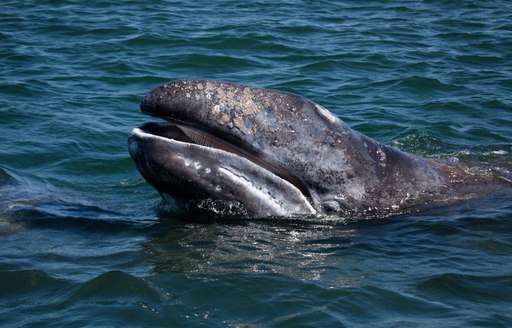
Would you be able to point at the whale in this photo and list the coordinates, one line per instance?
(240, 150)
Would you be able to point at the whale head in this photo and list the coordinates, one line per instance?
(260, 152)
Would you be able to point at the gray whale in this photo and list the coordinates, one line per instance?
(237, 149)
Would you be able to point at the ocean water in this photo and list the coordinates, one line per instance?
(86, 242)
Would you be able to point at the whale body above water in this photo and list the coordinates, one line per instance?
(241, 150)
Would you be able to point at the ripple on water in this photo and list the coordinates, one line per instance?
(85, 244)
(455, 286)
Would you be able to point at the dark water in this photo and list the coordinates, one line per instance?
(86, 242)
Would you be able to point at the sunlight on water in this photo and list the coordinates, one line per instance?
(86, 242)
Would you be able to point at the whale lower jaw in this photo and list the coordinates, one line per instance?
(193, 168)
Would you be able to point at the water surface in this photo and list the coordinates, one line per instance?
(86, 242)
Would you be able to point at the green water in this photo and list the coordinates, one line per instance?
(86, 242)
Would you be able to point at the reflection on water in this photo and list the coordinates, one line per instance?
(298, 250)
(184, 268)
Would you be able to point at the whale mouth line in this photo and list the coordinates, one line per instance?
(188, 134)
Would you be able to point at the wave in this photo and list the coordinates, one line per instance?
(463, 286)
(116, 285)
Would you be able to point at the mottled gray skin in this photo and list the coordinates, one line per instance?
(317, 163)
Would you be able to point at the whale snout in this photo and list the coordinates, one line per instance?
(215, 179)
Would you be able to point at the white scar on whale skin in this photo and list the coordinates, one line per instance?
(326, 114)
(262, 194)
(248, 185)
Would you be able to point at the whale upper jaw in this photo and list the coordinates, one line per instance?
(198, 169)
